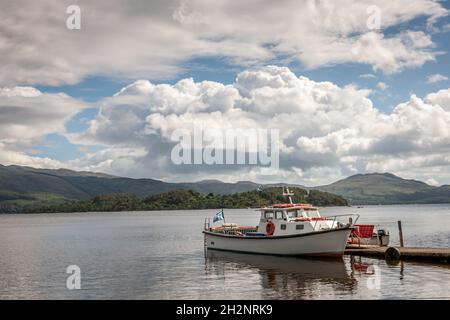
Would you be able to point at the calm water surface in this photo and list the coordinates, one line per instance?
(160, 255)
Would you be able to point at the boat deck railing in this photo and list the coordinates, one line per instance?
(336, 222)
(242, 230)
(234, 230)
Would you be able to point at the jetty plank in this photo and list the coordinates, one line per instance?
(407, 253)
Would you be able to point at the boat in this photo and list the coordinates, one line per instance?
(369, 235)
(287, 229)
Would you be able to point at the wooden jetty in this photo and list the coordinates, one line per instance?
(439, 255)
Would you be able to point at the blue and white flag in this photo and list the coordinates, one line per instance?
(218, 216)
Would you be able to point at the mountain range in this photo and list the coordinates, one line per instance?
(386, 188)
(20, 186)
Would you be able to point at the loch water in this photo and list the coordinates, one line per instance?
(160, 255)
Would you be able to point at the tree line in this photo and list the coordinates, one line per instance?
(184, 199)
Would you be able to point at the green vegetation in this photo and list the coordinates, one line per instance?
(29, 188)
(188, 199)
(33, 187)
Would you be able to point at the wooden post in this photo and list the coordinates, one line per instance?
(400, 233)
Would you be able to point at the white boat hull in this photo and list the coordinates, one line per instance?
(320, 243)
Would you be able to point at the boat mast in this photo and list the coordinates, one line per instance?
(288, 194)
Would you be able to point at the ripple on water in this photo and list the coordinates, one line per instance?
(159, 255)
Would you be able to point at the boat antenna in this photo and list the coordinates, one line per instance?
(288, 194)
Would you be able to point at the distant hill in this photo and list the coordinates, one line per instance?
(434, 195)
(28, 183)
(386, 188)
(26, 186)
(219, 187)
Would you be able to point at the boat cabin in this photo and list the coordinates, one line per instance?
(293, 218)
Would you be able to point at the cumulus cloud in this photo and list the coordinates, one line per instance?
(382, 86)
(27, 114)
(436, 78)
(440, 98)
(326, 131)
(152, 39)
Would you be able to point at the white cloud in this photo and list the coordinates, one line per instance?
(26, 92)
(326, 131)
(27, 115)
(440, 98)
(153, 39)
(389, 54)
(436, 78)
(382, 86)
(432, 182)
(10, 156)
(367, 76)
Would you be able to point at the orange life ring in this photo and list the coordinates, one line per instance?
(270, 228)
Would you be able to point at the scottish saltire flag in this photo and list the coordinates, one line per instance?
(218, 216)
(259, 188)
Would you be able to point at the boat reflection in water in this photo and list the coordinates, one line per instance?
(285, 277)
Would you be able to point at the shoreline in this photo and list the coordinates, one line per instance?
(203, 209)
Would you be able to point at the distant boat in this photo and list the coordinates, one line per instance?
(293, 229)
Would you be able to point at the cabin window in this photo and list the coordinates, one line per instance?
(269, 214)
(313, 213)
(293, 214)
(297, 214)
(299, 227)
(283, 227)
(302, 213)
(279, 215)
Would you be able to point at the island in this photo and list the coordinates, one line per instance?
(185, 199)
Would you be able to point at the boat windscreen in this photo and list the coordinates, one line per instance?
(312, 213)
(296, 213)
(292, 214)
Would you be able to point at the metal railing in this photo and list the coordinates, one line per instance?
(334, 218)
(207, 224)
